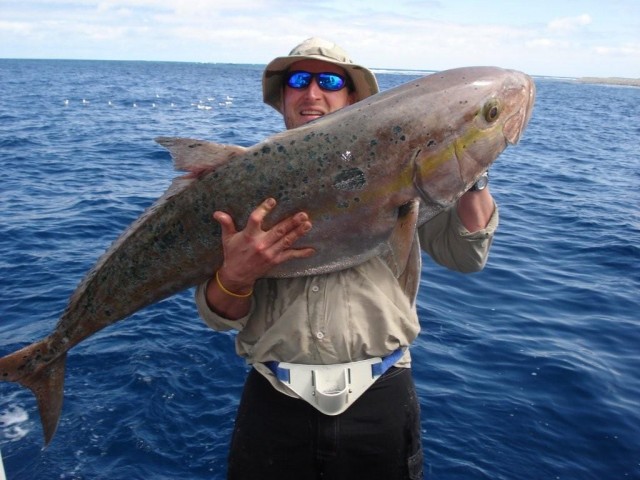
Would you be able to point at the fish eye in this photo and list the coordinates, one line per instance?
(491, 111)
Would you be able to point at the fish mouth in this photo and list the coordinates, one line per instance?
(515, 125)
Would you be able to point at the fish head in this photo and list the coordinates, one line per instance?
(517, 98)
(480, 111)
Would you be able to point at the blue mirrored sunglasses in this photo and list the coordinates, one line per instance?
(332, 82)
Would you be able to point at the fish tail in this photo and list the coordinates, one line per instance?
(46, 383)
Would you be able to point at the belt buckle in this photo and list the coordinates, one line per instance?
(331, 389)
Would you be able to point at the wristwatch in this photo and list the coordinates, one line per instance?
(481, 183)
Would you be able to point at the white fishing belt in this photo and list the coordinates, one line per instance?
(333, 388)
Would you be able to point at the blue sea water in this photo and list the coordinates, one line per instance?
(526, 370)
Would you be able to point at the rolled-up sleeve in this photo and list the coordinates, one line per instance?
(450, 244)
(211, 318)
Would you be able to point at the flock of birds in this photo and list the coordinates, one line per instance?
(201, 105)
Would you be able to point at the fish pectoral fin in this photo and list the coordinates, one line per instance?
(409, 280)
(403, 256)
(402, 237)
(198, 157)
(48, 387)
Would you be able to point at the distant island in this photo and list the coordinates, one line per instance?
(633, 82)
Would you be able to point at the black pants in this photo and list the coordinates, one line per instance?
(279, 437)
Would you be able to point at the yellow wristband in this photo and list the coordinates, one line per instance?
(230, 293)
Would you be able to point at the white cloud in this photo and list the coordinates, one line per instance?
(404, 34)
(569, 24)
(623, 50)
(547, 43)
(16, 28)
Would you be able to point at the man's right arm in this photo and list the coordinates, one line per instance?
(249, 254)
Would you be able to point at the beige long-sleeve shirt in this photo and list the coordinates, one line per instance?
(349, 315)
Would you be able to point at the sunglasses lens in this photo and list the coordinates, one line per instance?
(330, 81)
(299, 79)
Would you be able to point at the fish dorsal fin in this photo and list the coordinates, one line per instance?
(198, 157)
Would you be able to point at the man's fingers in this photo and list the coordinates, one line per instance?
(268, 247)
(226, 223)
(254, 223)
(284, 249)
(292, 231)
(289, 230)
(296, 253)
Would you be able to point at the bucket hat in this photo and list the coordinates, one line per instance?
(364, 81)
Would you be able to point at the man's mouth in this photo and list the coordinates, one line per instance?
(306, 113)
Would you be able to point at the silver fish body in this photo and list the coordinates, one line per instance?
(351, 171)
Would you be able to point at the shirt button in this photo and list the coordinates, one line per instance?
(319, 335)
(315, 289)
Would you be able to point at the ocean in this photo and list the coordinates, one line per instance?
(526, 370)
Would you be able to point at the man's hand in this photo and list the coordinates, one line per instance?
(249, 254)
(475, 209)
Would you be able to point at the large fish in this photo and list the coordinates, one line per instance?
(352, 171)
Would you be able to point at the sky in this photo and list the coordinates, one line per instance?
(563, 38)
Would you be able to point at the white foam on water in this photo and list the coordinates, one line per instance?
(13, 423)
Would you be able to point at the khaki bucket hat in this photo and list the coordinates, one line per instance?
(364, 81)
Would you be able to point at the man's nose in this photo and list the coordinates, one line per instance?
(313, 90)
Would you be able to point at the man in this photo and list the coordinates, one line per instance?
(340, 320)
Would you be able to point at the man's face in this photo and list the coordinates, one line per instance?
(306, 104)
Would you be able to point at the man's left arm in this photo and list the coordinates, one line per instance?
(460, 237)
